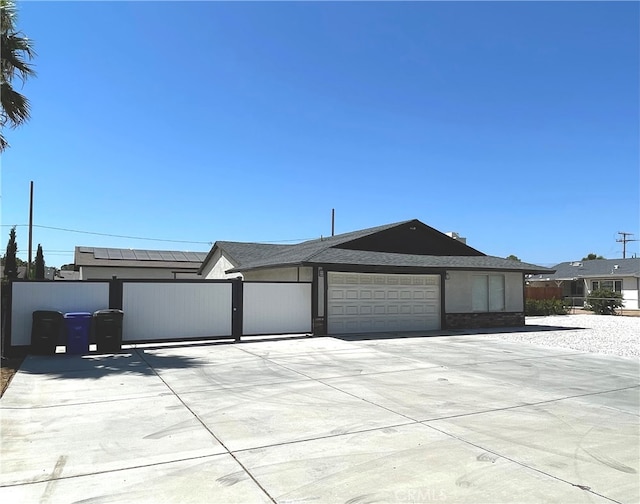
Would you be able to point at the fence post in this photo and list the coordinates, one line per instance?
(7, 298)
(236, 308)
(115, 293)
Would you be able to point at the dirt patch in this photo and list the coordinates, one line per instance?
(8, 369)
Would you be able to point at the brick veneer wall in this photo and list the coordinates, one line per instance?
(477, 320)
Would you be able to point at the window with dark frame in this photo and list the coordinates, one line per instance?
(612, 285)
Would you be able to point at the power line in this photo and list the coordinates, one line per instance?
(624, 240)
(295, 240)
(107, 234)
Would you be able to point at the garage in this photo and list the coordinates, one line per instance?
(376, 302)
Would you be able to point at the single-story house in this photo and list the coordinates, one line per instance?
(579, 278)
(64, 275)
(404, 276)
(95, 263)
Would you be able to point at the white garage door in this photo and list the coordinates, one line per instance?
(362, 302)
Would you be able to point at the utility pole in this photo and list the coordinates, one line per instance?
(624, 241)
(30, 230)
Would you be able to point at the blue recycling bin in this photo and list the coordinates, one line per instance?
(78, 325)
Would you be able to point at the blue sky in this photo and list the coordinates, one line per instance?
(515, 124)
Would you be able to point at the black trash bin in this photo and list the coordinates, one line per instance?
(47, 327)
(107, 325)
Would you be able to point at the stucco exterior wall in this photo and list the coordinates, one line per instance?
(629, 290)
(294, 274)
(458, 289)
(103, 272)
(216, 268)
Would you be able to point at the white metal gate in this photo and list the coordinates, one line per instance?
(175, 310)
(276, 308)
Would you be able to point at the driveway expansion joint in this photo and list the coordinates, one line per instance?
(244, 468)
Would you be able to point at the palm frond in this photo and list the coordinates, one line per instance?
(15, 106)
(15, 50)
(3, 143)
(8, 15)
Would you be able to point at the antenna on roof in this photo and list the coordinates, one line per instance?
(333, 221)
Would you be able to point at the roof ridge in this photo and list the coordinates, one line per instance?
(365, 232)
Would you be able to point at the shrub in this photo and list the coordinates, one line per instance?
(603, 301)
(545, 307)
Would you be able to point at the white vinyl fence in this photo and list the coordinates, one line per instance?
(28, 297)
(276, 308)
(175, 310)
(172, 310)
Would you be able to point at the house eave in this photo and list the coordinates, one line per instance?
(386, 267)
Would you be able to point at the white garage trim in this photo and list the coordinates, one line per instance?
(376, 302)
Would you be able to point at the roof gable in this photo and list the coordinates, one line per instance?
(411, 237)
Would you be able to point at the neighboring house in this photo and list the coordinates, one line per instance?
(67, 275)
(94, 263)
(398, 277)
(578, 278)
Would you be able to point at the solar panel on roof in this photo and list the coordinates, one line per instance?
(114, 254)
(141, 255)
(195, 256)
(154, 255)
(166, 255)
(180, 257)
(128, 254)
(100, 253)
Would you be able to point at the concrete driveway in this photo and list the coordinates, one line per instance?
(324, 420)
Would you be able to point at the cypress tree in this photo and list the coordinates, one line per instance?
(10, 261)
(39, 263)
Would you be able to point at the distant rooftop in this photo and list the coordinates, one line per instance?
(595, 268)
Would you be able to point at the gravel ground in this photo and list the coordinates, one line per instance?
(611, 335)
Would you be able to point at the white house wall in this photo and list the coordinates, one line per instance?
(458, 288)
(64, 297)
(216, 268)
(293, 274)
(629, 290)
(276, 308)
(156, 311)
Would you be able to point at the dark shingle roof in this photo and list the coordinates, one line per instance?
(596, 268)
(324, 251)
(256, 255)
(244, 253)
(365, 258)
